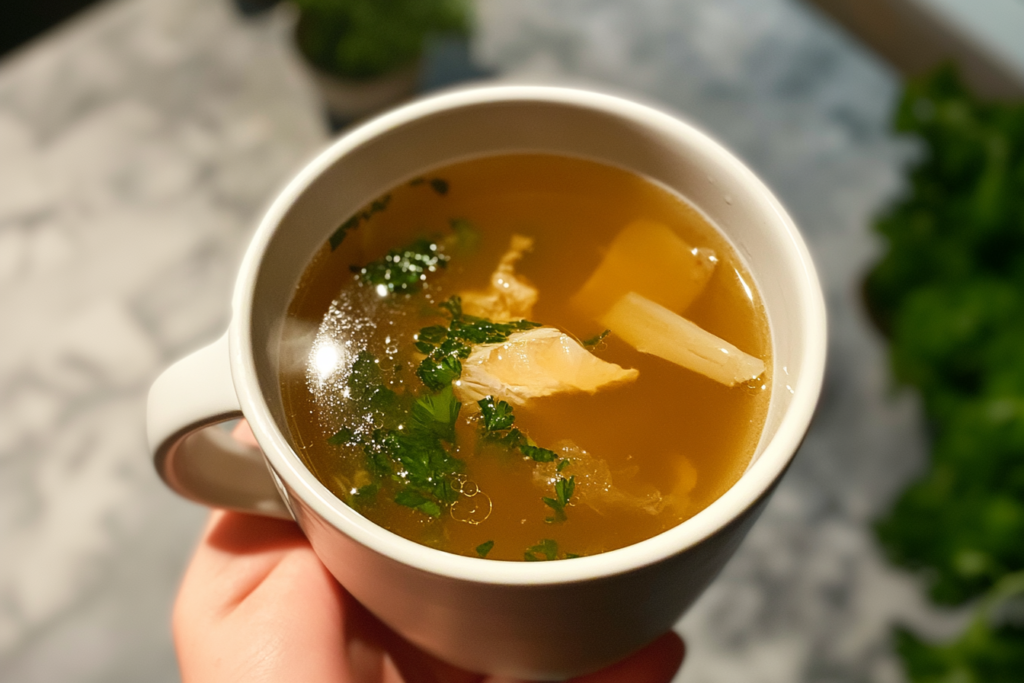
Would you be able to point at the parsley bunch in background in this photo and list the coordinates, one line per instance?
(949, 293)
(362, 39)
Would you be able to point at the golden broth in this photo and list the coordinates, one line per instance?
(673, 441)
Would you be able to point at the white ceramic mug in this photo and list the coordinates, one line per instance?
(538, 620)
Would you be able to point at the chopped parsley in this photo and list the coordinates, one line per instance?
(402, 271)
(342, 437)
(564, 489)
(435, 414)
(595, 340)
(376, 206)
(365, 495)
(538, 454)
(420, 450)
(409, 441)
(484, 548)
(496, 423)
(438, 185)
(547, 549)
(465, 238)
(414, 499)
(438, 370)
(497, 415)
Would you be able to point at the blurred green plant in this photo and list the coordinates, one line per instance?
(362, 39)
(949, 293)
(991, 650)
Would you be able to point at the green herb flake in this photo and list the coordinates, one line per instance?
(338, 236)
(547, 549)
(402, 271)
(537, 453)
(465, 238)
(564, 489)
(366, 387)
(594, 341)
(342, 437)
(497, 415)
(435, 334)
(378, 449)
(414, 499)
(365, 495)
(484, 548)
(354, 221)
(436, 414)
(512, 440)
(453, 306)
(439, 186)
(559, 509)
(439, 373)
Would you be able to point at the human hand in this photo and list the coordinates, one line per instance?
(257, 605)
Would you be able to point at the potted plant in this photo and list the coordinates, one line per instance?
(366, 54)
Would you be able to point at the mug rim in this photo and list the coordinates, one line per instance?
(753, 484)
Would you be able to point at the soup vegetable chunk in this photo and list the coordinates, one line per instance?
(526, 357)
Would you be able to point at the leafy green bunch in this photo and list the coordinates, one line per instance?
(949, 293)
(362, 39)
(991, 650)
(405, 440)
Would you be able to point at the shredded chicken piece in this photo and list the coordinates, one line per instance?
(594, 485)
(510, 296)
(538, 362)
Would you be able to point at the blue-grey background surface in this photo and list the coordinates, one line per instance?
(138, 146)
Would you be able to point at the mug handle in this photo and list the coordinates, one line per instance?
(196, 458)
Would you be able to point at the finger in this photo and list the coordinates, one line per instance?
(657, 663)
(243, 434)
(256, 604)
(403, 662)
(235, 554)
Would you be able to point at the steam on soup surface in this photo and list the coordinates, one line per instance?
(526, 357)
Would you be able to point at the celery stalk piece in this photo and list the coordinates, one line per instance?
(652, 328)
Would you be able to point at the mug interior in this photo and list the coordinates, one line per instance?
(499, 120)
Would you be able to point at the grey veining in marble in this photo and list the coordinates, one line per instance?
(137, 147)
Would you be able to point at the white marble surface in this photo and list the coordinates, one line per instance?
(137, 148)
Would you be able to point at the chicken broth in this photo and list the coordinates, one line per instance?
(520, 357)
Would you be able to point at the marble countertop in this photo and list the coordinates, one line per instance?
(138, 146)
